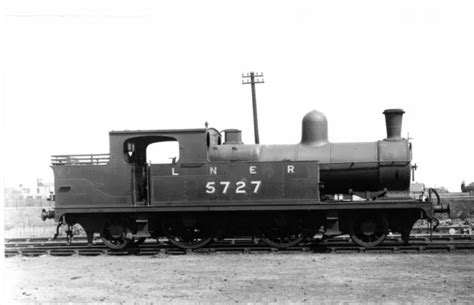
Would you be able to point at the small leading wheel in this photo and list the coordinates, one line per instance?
(369, 230)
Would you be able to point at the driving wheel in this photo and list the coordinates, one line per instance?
(283, 241)
(113, 237)
(186, 234)
(281, 232)
(369, 230)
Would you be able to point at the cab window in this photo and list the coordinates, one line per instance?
(163, 152)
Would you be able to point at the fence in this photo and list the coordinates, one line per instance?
(26, 222)
(27, 202)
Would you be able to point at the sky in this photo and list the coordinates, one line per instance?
(71, 71)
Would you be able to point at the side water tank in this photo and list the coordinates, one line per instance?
(315, 129)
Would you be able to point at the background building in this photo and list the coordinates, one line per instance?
(29, 195)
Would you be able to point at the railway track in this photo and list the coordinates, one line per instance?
(393, 244)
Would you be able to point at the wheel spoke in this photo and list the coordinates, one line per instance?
(192, 237)
(282, 242)
(113, 237)
(281, 238)
(188, 244)
(115, 243)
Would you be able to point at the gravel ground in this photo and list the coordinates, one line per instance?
(241, 278)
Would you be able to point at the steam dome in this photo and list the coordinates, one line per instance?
(315, 128)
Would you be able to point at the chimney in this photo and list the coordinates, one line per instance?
(393, 122)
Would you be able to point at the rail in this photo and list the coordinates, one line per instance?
(89, 159)
(342, 244)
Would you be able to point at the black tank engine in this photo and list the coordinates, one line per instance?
(217, 187)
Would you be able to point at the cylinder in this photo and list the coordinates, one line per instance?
(393, 122)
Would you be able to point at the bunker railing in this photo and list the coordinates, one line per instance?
(92, 159)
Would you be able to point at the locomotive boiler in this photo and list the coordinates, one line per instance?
(344, 167)
(218, 187)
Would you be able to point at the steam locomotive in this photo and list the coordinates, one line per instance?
(218, 187)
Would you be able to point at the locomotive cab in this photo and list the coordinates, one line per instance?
(148, 152)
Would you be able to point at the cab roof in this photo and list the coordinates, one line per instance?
(156, 131)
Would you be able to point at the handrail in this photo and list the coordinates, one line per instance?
(80, 155)
(438, 207)
(432, 190)
(82, 159)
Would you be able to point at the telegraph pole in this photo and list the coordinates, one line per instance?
(252, 79)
